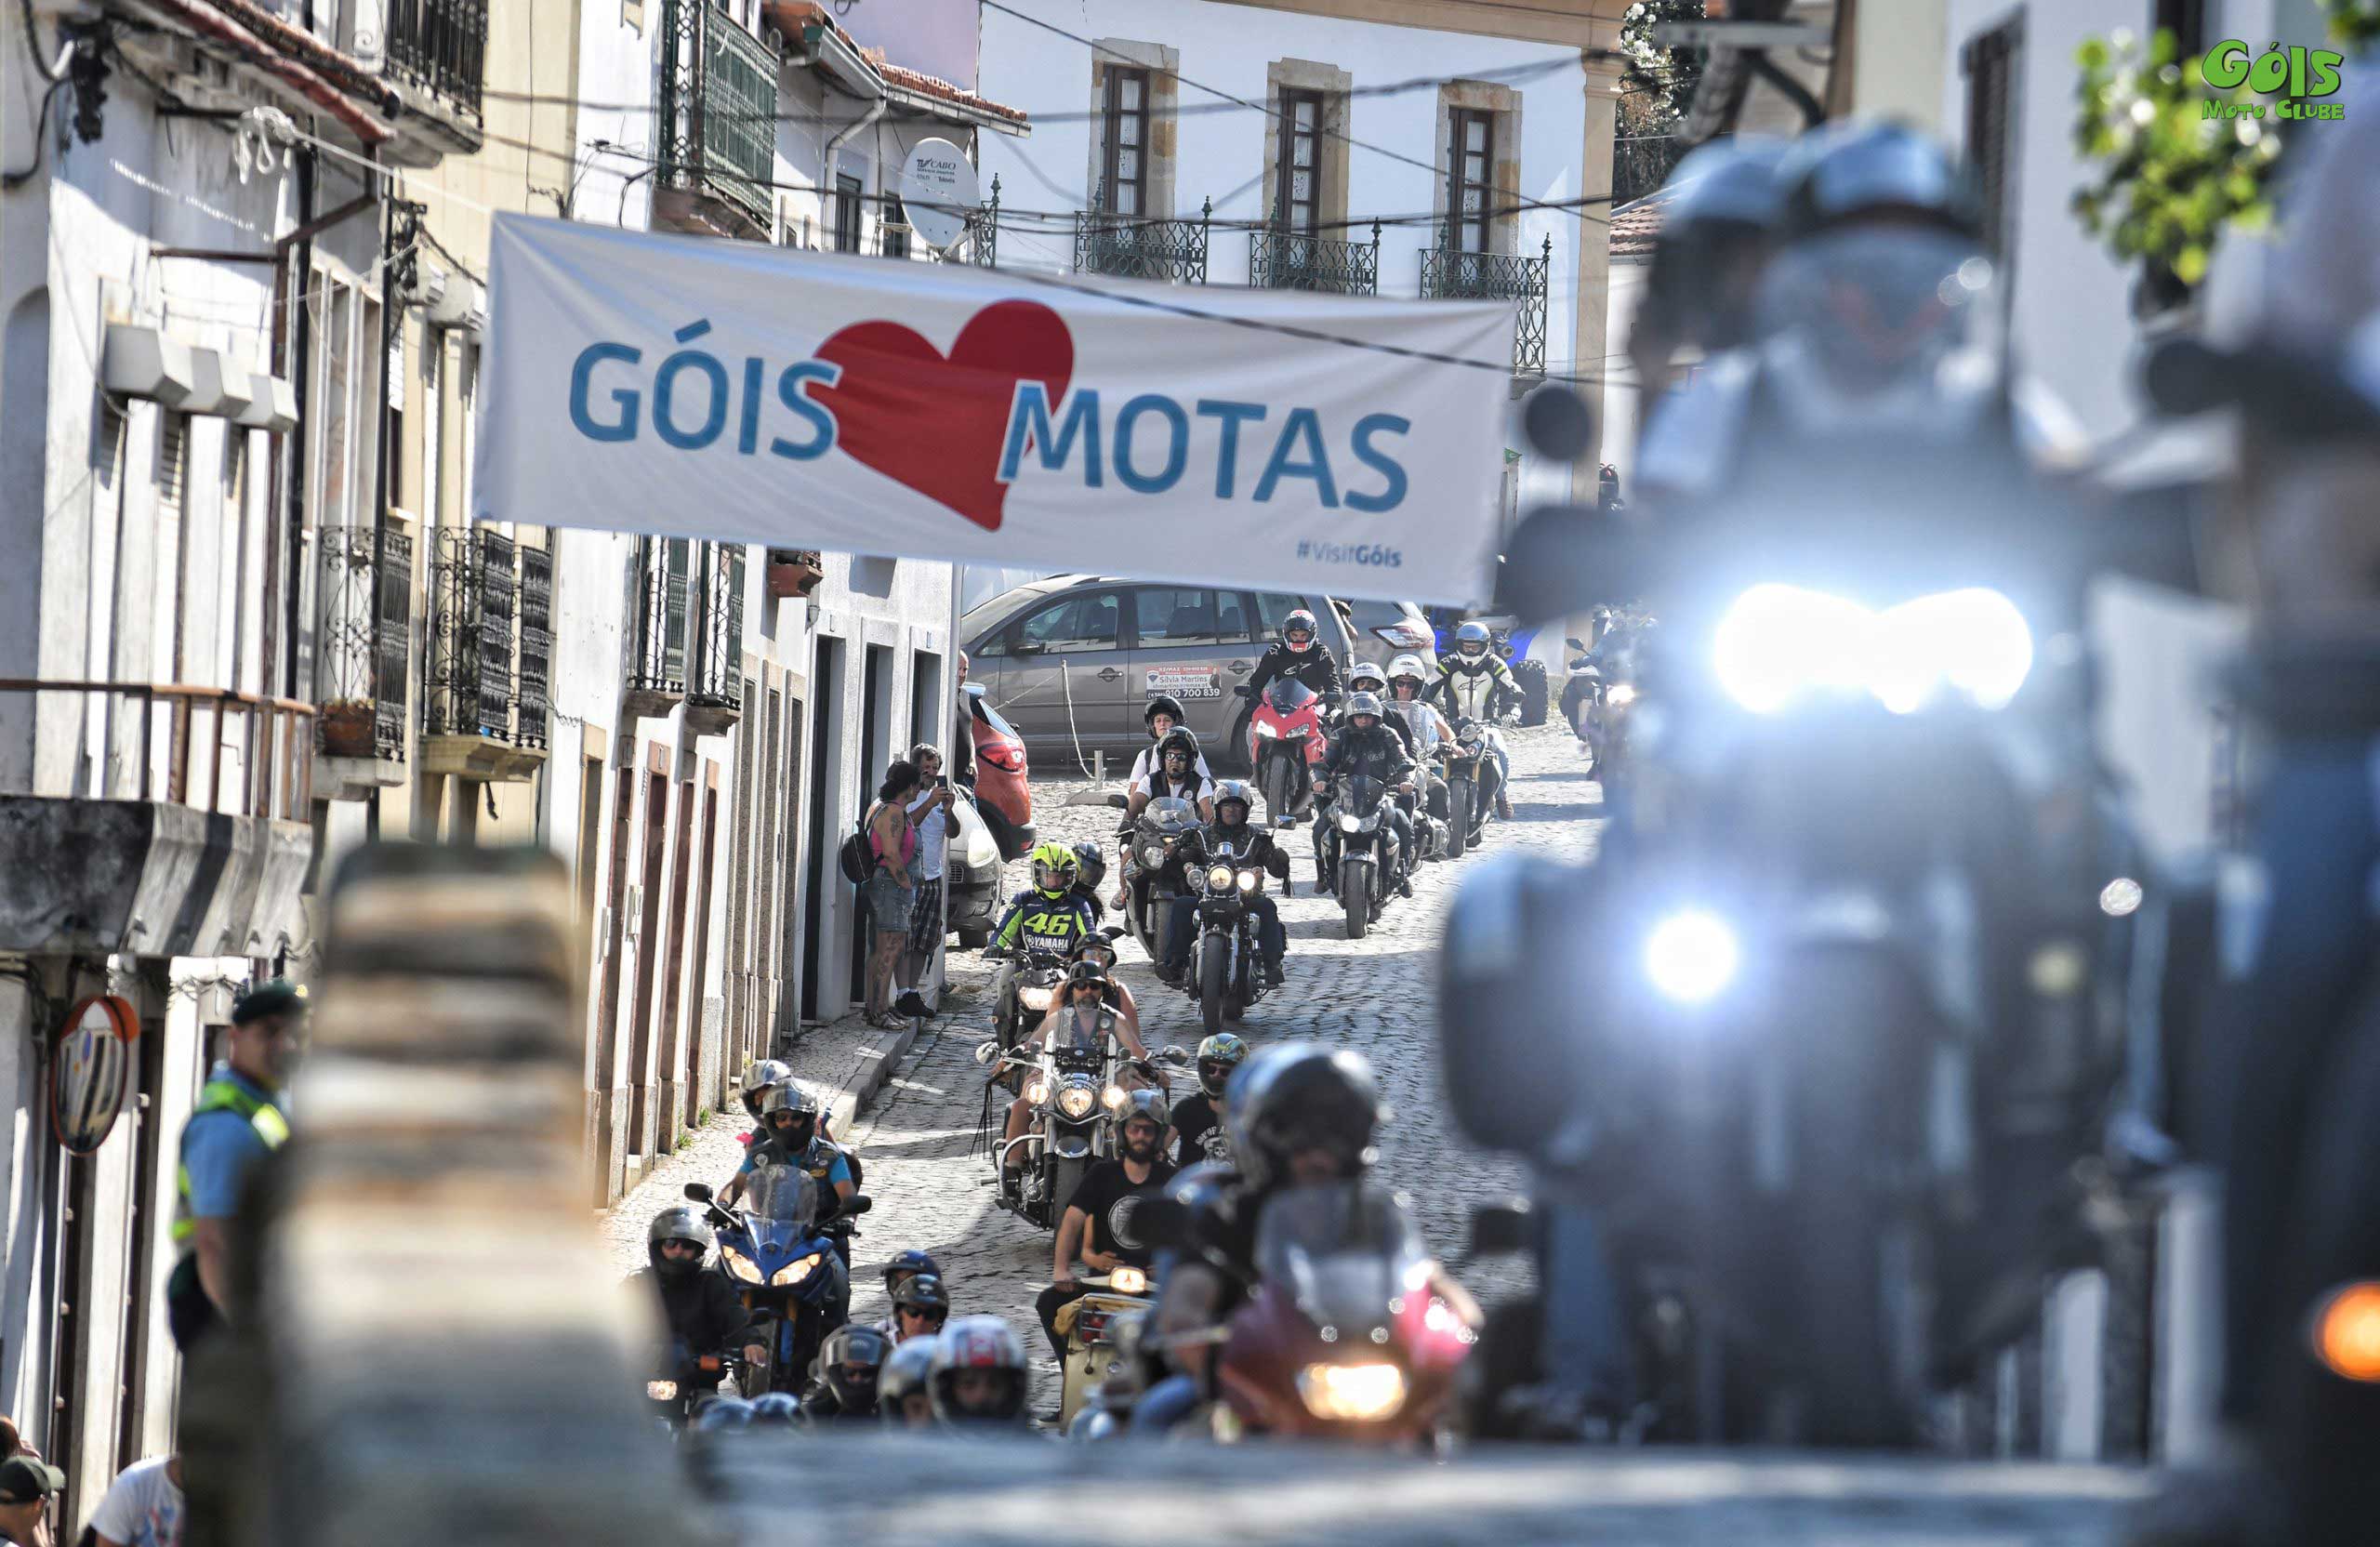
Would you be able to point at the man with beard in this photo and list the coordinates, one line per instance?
(1137, 1172)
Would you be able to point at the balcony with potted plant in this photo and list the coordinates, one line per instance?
(362, 658)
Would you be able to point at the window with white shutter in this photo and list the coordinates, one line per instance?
(1994, 62)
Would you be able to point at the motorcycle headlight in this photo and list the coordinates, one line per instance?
(1219, 878)
(740, 1265)
(1691, 955)
(1128, 1279)
(794, 1272)
(661, 1390)
(1351, 1393)
(1036, 998)
(1298, 735)
(1113, 1096)
(1265, 731)
(1076, 1101)
(1037, 1092)
(1248, 881)
(1778, 642)
(1350, 823)
(1152, 855)
(1622, 694)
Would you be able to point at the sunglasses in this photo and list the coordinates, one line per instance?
(680, 1249)
(917, 1314)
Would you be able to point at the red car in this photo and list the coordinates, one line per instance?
(1003, 798)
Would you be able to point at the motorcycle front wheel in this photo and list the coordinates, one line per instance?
(1139, 911)
(1066, 1175)
(1280, 790)
(1459, 808)
(1356, 897)
(1214, 984)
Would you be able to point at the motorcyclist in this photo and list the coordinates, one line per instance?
(1254, 846)
(1051, 915)
(1476, 684)
(977, 1375)
(1301, 654)
(1099, 948)
(920, 1304)
(843, 1382)
(1177, 773)
(1090, 869)
(767, 1072)
(1298, 1114)
(791, 1117)
(1368, 748)
(1075, 1020)
(907, 1264)
(903, 1397)
(1161, 714)
(1408, 685)
(1718, 221)
(702, 1311)
(1087, 1235)
(1196, 1132)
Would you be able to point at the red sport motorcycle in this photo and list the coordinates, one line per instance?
(1354, 1332)
(1285, 745)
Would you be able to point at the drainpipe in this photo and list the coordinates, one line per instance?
(835, 142)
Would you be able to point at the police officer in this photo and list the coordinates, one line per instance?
(237, 1122)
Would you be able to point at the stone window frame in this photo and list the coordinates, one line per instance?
(1164, 65)
(1336, 86)
(1504, 229)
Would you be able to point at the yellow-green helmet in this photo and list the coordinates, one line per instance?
(1055, 866)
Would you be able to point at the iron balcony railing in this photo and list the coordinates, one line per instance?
(474, 594)
(660, 580)
(1451, 275)
(441, 47)
(1127, 247)
(364, 652)
(217, 750)
(1291, 260)
(533, 706)
(715, 671)
(719, 103)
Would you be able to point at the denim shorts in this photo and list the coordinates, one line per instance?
(888, 904)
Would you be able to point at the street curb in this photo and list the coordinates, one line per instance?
(878, 1057)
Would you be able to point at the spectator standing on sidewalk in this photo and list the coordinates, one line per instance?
(143, 1507)
(889, 891)
(27, 1484)
(930, 815)
(237, 1122)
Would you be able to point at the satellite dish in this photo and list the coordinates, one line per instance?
(939, 191)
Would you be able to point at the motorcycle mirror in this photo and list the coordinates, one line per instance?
(698, 1191)
(973, 690)
(1561, 557)
(858, 1203)
(1175, 1053)
(1575, 643)
(1501, 1228)
(1556, 423)
(985, 1051)
(1113, 932)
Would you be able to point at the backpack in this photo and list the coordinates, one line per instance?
(857, 860)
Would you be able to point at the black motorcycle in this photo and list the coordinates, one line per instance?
(1471, 777)
(1226, 965)
(1030, 981)
(1358, 849)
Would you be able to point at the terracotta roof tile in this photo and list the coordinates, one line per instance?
(1636, 226)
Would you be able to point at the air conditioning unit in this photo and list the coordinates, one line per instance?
(428, 286)
(460, 304)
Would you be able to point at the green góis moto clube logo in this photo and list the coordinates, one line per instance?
(2298, 76)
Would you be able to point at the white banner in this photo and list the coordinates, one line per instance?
(672, 384)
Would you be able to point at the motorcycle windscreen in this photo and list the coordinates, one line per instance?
(1288, 695)
(1364, 794)
(1169, 814)
(1342, 1251)
(784, 1194)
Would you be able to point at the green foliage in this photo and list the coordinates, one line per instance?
(1661, 80)
(2170, 178)
(2353, 22)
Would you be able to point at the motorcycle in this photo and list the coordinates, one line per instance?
(681, 1381)
(1285, 745)
(786, 1265)
(1074, 1093)
(1359, 850)
(1472, 776)
(1146, 905)
(1088, 1326)
(1029, 984)
(1352, 1332)
(1226, 967)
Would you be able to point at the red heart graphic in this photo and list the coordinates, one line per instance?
(936, 423)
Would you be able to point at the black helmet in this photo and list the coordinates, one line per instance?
(1164, 703)
(1299, 1096)
(911, 1262)
(849, 1361)
(1182, 739)
(1218, 1056)
(791, 1097)
(904, 1370)
(1875, 170)
(1364, 703)
(925, 1292)
(1235, 789)
(1300, 621)
(1099, 941)
(682, 1222)
(1083, 973)
(1091, 862)
(1719, 210)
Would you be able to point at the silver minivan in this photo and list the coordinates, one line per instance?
(1071, 661)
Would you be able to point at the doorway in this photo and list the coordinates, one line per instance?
(828, 897)
(875, 757)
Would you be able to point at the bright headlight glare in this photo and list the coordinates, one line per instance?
(1621, 694)
(1351, 1393)
(794, 1272)
(1128, 1279)
(740, 1265)
(661, 1390)
(1265, 731)
(1350, 823)
(1218, 877)
(1248, 881)
(1777, 643)
(1691, 955)
(1076, 1101)
(1037, 1092)
(1112, 1096)
(1036, 998)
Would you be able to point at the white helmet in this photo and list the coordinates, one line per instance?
(1408, 666)
(978, 1344)
(1362, 670)
(758, 1078)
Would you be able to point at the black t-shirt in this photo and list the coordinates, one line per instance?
(1102, 1188)
(1201, 1128)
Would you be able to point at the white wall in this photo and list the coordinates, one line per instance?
(1623, 401)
